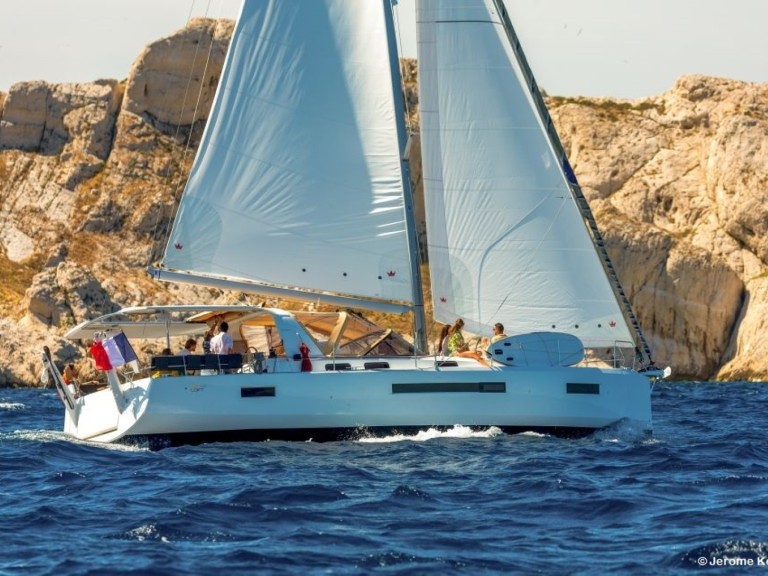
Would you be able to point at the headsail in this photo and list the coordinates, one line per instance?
(298, 182)
(506, 239)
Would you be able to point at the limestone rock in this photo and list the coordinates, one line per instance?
(691, 166)
(24, 113)
(63, 294)
(43, 118)
(745, 358)
(174, 79)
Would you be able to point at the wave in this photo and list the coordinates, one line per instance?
(12, 406)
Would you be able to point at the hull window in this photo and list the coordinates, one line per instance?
(338, 367)
(579, 388)
(429, 387)
(257, 392)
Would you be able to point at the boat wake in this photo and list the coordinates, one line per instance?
(59, 436)
(457, 431)
(35, 436)
(128, 446)
(622, 431)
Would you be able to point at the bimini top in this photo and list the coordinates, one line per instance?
(148, 322)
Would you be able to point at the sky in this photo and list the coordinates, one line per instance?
(618, 48)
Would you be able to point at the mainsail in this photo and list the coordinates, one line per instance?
(298, 182)
(506, 240)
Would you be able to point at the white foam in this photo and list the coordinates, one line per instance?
(457, 431)
(12, 406)
(37, 435)
(622, 431)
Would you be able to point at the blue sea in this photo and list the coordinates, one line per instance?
(692, 498)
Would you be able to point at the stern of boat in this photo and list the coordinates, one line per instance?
(102, 415)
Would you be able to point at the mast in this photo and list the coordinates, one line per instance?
(581, 201)
(419, 317)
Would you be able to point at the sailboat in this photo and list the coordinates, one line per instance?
(300, 190)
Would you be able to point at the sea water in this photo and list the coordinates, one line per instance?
(691, 498)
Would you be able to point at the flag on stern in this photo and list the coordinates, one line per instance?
(113, 352)
(100, 357)
(118, 349)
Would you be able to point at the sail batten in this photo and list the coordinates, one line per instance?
(298, 181)
(506, 240)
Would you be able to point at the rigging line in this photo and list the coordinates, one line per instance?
(156, 232)
(199, 94)
(189, 78)
(217, 18)
(499, 307)
(187, 88)
(176, 194)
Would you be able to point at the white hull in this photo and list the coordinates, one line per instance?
(324, 405)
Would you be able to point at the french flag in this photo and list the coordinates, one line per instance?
(113, 352)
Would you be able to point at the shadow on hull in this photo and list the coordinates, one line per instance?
(160, 441)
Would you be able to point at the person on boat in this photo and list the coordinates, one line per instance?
(70, 379)
(207, 341)
(157, 373)
(457, 346)
(222, 342)
(189, 347)
(442, 342)
(498, 332)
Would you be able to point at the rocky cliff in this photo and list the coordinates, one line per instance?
(90, 175)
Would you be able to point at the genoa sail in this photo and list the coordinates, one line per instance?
(506, 239)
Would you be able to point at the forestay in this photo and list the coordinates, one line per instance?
(298, 180)
(506, 239)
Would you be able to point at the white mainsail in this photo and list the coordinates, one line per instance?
(298, 181)
(506, 240)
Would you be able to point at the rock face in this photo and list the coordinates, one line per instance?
(90, 175)
(175, 79)
(679, 184)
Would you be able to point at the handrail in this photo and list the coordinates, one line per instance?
(58, 380)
